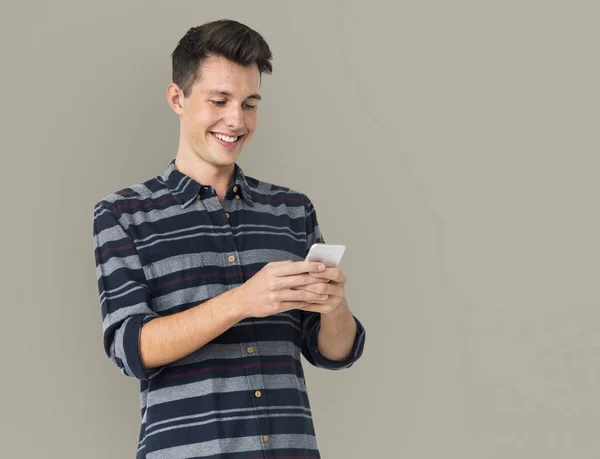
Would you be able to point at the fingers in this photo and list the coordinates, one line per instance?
(323, 288)
(290, 282)
(313, 268)
(300, 295)
(287, 305)
(332, 274)
(311, 307)
(297, 281)
(287, 268)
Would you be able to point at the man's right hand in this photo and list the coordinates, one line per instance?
(271, 290)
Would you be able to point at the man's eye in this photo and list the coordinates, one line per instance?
(249, 106)
(218, 103)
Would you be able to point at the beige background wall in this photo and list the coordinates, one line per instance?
(453, 146)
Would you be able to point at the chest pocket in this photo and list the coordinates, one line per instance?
(180, 282)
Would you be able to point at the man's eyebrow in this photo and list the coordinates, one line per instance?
(227, 93)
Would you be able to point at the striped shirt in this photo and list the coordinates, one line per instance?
(168, 244)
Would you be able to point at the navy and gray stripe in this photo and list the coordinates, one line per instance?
(167, 245)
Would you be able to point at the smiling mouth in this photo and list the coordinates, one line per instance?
(227, 139)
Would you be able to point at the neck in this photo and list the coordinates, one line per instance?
(206, 174)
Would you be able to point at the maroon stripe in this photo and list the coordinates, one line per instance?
(115, 249)
(200, 276)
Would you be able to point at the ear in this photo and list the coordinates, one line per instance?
(175, 98)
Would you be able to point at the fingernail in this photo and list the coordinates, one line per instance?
(324, 297)
(321, 267)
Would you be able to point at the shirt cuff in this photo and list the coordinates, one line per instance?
(319, 360)
(131, 345)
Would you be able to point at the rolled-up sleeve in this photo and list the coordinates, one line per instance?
(124, 293)
(311, 327)
(311, 321)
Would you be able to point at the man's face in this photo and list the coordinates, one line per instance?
(221, 113)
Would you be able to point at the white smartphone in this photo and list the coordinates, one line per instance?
(328, 254)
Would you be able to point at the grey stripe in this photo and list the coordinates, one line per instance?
(185, 181)
(143, 400)
(161, 236)
(112, 234)
(276, 233)
(213, 234)
(121, 287)
(124, 312)
(289, 316)
(178, 238)
(198, 259)
(144, 193)
(119, 347)
(99, 210)
(292, 212)
(153, 216)
(135, 287)
(176, 263)
(224, 385)
(265, 189)
(107, 268)
(261, 187)
(233, 410)
(234, 445)
(231, 418)
(267, 256)
(293, 441)
(187, 295)
(185, 230)
(278, 229)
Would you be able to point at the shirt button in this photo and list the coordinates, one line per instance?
(231, 258)
(258, 394)
(265, 438)
(235, 189)
(237, 196)
(227, 214)
(250, 350)
(198, 196)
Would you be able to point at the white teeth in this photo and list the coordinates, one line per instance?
(225, 138)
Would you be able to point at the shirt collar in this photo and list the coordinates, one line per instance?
(185, 189)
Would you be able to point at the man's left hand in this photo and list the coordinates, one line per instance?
(333, 284)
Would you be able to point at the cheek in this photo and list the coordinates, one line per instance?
(197, 134)
(199, 117)
(251, 121)
(197, 138)
(200, 124)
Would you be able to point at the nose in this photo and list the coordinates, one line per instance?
(235, 118)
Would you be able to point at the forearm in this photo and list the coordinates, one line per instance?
(337, 333)
(166, 339)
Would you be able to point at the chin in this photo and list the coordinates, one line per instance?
(223, 160)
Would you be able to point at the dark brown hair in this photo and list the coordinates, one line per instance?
(230, 39)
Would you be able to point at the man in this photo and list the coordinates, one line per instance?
(204, 291)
